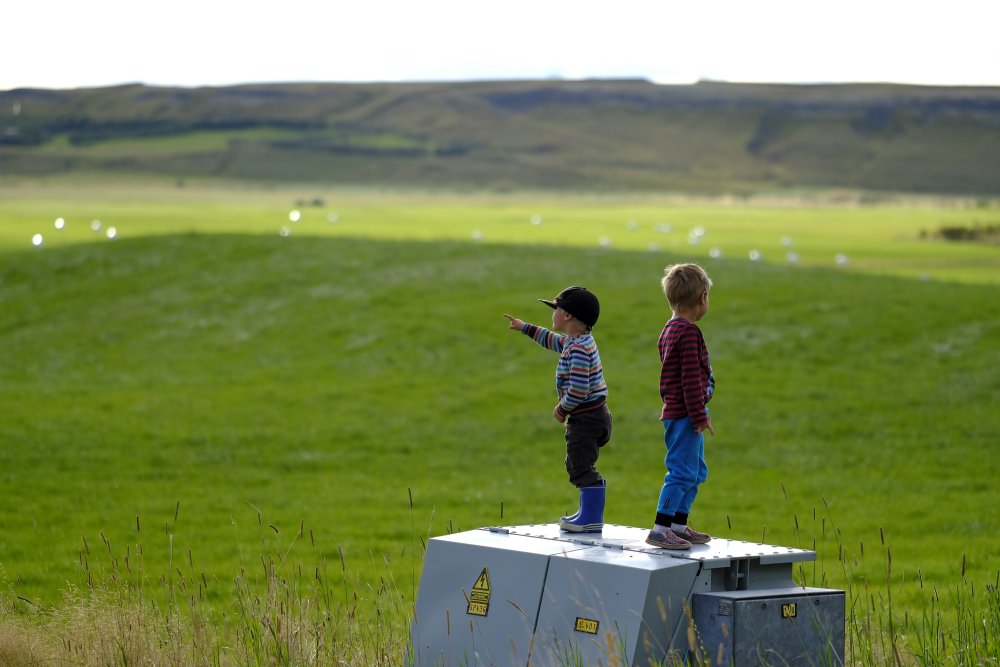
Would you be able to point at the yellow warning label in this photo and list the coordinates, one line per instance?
(478, 608)
(587, 625)
(479, 598)
(789, 610)
(483, 582)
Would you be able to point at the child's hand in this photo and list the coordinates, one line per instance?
(514, 322)
(706, 427)
(558, 415)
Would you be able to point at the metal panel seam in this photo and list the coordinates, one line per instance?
(687, 600)
(538, 610)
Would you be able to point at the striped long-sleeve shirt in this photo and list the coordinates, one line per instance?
(686, 379)
(579, 376)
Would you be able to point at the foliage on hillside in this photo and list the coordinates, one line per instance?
(607, 135)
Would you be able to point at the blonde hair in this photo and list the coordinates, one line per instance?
(683, 285)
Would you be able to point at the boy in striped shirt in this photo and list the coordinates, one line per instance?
(583, 395)
(686, 386)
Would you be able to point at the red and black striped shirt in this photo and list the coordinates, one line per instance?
(686, 379)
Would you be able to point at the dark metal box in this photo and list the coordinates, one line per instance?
(799, 626)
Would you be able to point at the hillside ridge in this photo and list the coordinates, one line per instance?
(591, 134)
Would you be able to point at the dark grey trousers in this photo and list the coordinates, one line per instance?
(586, 433)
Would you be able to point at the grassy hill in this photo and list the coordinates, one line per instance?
(203, 405)
(317, 379)
(581, 135)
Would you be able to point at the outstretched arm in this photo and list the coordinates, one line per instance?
(547, 339)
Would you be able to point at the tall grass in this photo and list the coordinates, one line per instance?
(960, 626)
(290, 605)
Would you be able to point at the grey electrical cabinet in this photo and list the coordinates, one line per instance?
(479, 597)
(536, 596)
(803, 626)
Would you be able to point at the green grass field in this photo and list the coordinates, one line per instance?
(218, 380)
(886, 238)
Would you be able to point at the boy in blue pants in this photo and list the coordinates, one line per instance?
(583, 397)
(686, 386)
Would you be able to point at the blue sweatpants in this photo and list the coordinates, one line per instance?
(686, 466)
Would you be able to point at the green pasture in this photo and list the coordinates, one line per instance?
(218, 380)
(895, 238)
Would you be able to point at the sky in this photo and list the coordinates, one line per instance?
(75, 44)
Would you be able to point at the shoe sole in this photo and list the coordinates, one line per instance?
(585, 528)
(672, 547)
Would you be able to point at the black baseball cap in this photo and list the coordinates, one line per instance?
(578, 302)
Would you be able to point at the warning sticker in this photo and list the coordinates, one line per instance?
(790, 610)
(587, 625)
(479, 598)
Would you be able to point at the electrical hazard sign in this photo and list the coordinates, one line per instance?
(479, 598)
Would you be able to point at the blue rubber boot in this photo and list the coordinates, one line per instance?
(590, 518)
(574, 516)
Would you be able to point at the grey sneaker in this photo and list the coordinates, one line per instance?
(667, 540)
(693, 536)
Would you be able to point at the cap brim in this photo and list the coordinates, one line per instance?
(550, 304)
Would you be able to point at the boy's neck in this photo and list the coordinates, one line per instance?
(689, 314)
(574, 330)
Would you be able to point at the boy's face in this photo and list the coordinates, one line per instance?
(560, 318)
(703, 305)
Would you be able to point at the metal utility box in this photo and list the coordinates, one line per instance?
(536, 596)
(803, 626)
(479, 597)
(599, 602)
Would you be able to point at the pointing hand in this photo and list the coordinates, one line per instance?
(514, 322)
